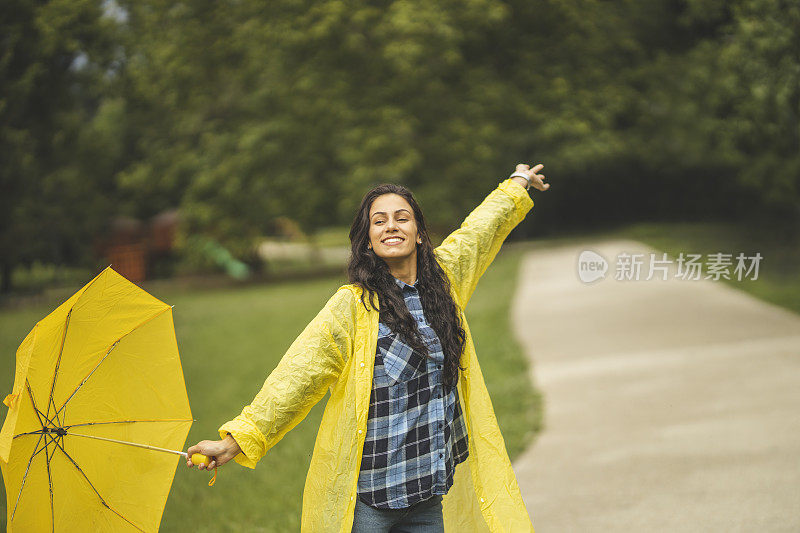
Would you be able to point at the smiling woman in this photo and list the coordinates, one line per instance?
(389, 243)
(408, 404)
(393, 234)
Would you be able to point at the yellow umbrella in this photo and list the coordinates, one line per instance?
(99, 372)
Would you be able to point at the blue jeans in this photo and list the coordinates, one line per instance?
(422, 517)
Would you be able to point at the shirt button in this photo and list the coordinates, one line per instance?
(439, 367)
(481, 500)
(362, 365)
(360, 432)
(441, 455)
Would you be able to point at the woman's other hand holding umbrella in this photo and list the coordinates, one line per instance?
(219, 451)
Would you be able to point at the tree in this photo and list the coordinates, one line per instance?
(53, 59)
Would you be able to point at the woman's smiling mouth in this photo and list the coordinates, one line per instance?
(392, 241)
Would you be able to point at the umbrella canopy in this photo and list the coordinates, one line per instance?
(103, 364)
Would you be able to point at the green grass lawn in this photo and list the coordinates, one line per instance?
(231, 338)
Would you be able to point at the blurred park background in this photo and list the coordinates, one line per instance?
(171, 138)
(216, 151)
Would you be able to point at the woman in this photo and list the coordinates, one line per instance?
(408, 403)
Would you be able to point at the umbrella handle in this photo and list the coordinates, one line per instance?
(198, 459)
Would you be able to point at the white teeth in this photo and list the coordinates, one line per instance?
(393, 239)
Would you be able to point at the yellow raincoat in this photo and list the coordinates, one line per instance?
(336, 352)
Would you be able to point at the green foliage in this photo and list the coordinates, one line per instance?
(243, 112)
(733, 100)
(54, 172)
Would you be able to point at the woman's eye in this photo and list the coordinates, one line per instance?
(378, 222)
(403, 219)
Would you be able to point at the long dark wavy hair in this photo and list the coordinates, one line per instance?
(372, 274)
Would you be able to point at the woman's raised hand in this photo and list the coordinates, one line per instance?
(219, 451)
(536, 179)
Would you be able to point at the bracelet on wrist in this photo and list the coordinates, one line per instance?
(522, 175)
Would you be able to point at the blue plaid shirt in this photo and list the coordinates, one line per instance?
(415, 432)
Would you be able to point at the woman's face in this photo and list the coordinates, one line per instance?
(392, 228)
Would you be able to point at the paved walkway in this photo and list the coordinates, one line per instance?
(669, 405)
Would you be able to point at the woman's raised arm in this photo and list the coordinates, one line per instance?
(467, 252)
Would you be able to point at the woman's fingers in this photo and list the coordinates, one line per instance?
(536, 179)
(203, 447)
(210, 449)
(522, 167)
(217, 452)
(537, 182)
(191, 451)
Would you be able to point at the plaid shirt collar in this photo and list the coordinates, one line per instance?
(402, 284)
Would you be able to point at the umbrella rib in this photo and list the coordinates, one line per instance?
(58, 364)
(131, 421)
(50, 482)
(37, 432)
(38, 412)
(88, 376)
(105, 504)
(36, 451)
(108, 352)
(40, 431)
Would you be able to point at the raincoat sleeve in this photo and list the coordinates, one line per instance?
(467, 252)
(308, 368)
